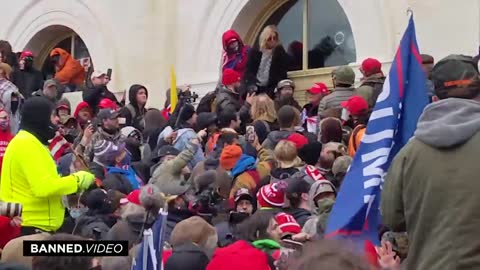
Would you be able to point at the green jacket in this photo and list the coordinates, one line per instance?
(168, 176)
(431, 188)
(371, 88)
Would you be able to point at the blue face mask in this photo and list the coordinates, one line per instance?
(75, 213)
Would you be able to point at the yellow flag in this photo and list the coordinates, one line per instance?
(173, 90)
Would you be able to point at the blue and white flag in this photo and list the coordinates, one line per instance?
(149, 256)
(392, 123)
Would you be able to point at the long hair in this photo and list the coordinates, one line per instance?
(267, 32)
(255, 227)
(263, 108)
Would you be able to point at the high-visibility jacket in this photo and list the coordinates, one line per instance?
(355, 139)
(30, 177)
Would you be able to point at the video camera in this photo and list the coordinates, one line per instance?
(205, 203)
(9, 209)
(188, 96)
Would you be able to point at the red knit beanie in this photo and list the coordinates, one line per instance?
(287, 224)
(230, 77)
(298, 139)
(272, 195)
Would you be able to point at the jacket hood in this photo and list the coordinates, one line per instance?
(449, 122)
(278, 135)
(245, 163)
(82, 105)
(229, 35)
(132, 93)
(64, 55)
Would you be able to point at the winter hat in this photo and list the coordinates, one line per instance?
(230, 156)
(322, 186)
(128, 132)
(97, 199)
(167, 150)
(272, 195)
(287, 224)
(371, 66)
(296, 187)
(318, 88)
(186, 112)
(356, 105)
(64, 163)
(341, 164)
(298, 139)
(132, 197)
(26, 54)
(344, 75)
(106, 151)
(230, 77)
(206, 119)
(281, 84)
(194, 230)
(233, 257)
(36, 113)
(310, 153)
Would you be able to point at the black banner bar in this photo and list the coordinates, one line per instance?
(75, 248)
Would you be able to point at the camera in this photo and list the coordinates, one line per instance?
(189, 97)
(9, 209)
(205, 203)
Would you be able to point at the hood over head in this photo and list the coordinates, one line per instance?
(82, 105)
(449, 122)
(64, 55)
(132, 93)
(36, 115)
(229, 35)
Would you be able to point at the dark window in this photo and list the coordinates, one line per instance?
(330, 37)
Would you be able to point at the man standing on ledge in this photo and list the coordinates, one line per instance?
(29, 174)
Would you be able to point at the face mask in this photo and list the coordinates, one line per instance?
(75, 213)
(325, 205)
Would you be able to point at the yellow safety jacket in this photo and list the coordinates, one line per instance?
(29, 177)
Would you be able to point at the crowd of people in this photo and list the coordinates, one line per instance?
(248, 177)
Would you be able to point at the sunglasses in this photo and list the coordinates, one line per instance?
(272, 38)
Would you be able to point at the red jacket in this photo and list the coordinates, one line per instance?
(8, 231)
(236, 61)
(5, 138)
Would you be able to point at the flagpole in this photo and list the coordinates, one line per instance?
(163, 215)
(146, 235)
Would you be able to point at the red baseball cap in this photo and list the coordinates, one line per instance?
(356, 105)
(318, 88)
(371, 66)
(133, 197)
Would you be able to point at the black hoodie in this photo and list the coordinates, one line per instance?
(134, 120)
(36, 115)
(187, 256)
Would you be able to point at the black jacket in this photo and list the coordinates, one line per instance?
(300, 215)
(229, 100)
(278, 70)
(187, 256)
(135, 120)
(27, 81)
(95, 94)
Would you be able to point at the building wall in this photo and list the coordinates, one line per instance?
(141, 39)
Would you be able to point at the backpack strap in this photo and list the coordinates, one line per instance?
(133, 113)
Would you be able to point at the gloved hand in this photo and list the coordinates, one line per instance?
(84, 180)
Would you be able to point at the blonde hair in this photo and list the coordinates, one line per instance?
(263, 108)
(285, 151)
(267, 32)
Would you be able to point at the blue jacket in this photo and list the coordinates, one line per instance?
(184, 136)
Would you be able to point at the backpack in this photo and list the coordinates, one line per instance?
(207, 103)
(96, 230)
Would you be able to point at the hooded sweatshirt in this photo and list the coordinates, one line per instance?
(236, 61)
(132, 113)
(71, 72)
(428, 189)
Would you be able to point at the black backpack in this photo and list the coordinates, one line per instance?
(96, 230)
(207, 103)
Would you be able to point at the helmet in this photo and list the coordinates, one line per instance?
(281, 84)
